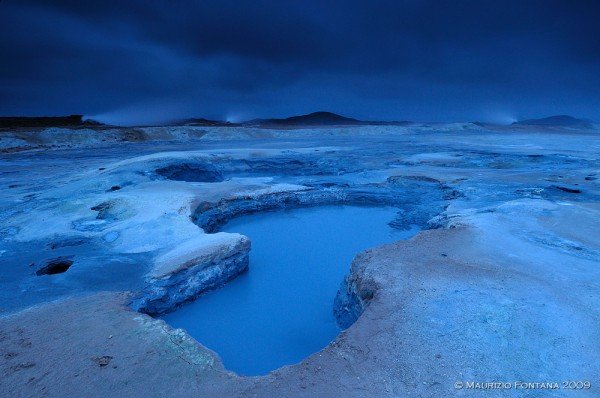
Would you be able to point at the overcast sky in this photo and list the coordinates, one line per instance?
(149, 61)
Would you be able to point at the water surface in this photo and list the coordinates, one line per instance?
(281, 310)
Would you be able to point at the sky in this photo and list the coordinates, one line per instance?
(135, 62)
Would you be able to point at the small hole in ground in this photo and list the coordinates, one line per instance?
(191, 172)
(55, 266)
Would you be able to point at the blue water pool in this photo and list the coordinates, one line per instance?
(281, 310)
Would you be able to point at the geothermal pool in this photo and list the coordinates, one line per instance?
(281, 311)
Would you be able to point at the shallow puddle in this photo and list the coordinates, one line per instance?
(281, 310)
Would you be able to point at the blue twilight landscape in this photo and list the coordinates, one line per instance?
(218, 198)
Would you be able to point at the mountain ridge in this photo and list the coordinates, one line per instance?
(556, 120)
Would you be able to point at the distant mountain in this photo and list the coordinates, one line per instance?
(559, 120)
(46, 121)
(312, 119)
(317, 119)
(201, 122)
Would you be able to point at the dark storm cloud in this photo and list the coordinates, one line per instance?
(378, 59)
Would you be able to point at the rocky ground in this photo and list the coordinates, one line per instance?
(501, 286)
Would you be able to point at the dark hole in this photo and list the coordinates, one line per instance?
(569, 190)
(102, 361)
(190, 172)
(65, 243)
(55, 266)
